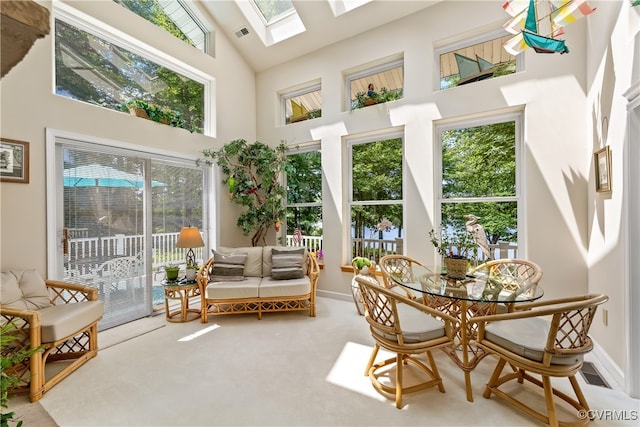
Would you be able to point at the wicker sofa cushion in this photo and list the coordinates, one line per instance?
(527, 338)
(23, 290)
(61, 321)
(233, 290)
(284, 288)
(253, 265)
(287, 263)
(416, 325)
(228, 267)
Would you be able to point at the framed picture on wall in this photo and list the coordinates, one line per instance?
(14, 161)
(602, 160)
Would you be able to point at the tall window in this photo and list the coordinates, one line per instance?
(479, 176)
(376, 206)
(94, 70)
(376, 85)
(304, 197)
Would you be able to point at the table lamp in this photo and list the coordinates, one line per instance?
(190, 238)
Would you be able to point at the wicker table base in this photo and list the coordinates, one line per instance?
(182, 292)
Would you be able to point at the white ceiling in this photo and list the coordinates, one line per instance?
(322, 28)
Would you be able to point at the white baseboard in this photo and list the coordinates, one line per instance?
(612, 370)
(334, 295)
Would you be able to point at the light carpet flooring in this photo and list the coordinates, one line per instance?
(285, 370)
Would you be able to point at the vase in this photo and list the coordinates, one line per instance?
(456, 267)
(190, 274)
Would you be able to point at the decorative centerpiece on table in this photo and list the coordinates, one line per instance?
(455, 248)
(172, 270)
(361, 265)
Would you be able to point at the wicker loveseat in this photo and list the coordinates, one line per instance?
(258, 280)
(59, 318)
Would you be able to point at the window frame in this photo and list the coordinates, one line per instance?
(467, 42)
(89, 24)
(370, 71)
(288, 95)
(357, 140)
(516, 116)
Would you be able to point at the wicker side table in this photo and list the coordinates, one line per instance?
(183, 292)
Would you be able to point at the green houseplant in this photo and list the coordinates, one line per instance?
(455, 247)
(8, 359)
(252, 175)
(172, 271)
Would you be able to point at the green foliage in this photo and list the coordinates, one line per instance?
(457, 244)
(384, 95)
(10, 358)
(158, 114)
(361, 262)
(304, 185)
(252, 173)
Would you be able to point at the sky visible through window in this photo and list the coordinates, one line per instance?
(272, 10)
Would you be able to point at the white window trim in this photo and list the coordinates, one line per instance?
(281, 29)
(289, 95)
(516, 116)
(481, 38)
(87, 23)
(398, 63)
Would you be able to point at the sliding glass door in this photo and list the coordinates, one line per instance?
(117, 218)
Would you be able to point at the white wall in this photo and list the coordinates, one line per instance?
(29, 106)
(551, 92)
(613, 67)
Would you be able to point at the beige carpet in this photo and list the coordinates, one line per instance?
(284, 370)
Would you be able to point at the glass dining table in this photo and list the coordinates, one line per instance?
(475, 295)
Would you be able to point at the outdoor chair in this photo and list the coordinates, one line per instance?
(59, 318)
(118, 276)
(541, 340)
(403, 326)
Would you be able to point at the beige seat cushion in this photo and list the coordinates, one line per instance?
(284, 288)
(64, 320)
(233, 290)
(526, 338)
(417, 326)
(24, 290)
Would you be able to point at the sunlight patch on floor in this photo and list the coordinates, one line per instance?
(199, 333)
(348, 370)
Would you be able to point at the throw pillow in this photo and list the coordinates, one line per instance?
(287, 263)
(228, 267)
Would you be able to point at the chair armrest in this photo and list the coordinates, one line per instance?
(70, 292)
(27, 323)
(313, 271)
(202, 277)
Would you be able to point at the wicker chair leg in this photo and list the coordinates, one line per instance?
(399, 369)
(494, 379)
(548, 397)
(372, 359)
(436, 373)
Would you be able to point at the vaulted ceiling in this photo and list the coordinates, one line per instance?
(322, 26)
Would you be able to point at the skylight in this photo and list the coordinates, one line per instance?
(273, 10)
(343, 6)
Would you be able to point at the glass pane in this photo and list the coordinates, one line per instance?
(498, 219)
(104, 220)
(479, 161)
(271, 10)
(377, 88)
(309, 221)
(304, 178)
(303, 107)
(376, 230)
(477, 62)
(170, 15)
(93, 70)
(178, 203)
(377, 170)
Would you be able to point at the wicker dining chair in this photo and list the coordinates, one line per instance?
(407, 328)
(400, 267)
(540, 349)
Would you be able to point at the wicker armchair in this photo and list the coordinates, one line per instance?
(399, 266)
(532, 344)
(405, 327)
(60, 318)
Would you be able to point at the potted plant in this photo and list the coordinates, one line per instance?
(455, 248)
(9, 359)
(191, 271)
(361, 265)
(172, 271)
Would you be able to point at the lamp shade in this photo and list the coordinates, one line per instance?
(189, 238)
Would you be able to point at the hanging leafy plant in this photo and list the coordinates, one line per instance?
(251, 174)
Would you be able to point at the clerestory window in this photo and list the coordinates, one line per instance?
(302, 104)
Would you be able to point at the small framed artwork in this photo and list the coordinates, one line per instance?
(14, 161)
(602, 160)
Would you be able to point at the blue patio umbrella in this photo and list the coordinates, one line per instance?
(96, 175)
